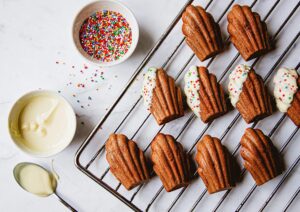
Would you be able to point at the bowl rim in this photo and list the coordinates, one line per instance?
(48, 154)
(133, 45)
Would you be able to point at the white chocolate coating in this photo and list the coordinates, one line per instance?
(191, 89)
(148, 86)
(285, 86)
(236, 80)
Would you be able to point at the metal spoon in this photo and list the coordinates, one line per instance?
(51, 179)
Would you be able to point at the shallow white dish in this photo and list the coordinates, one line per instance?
(111, 5)
(14, 124)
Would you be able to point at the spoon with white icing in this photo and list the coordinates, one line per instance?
(37, 180)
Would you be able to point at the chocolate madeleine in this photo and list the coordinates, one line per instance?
(215, 165)
(260, 156)
(127, 162)
(287, 93)
(248, 94)
(294, 111)
(205, 96)
(202, 33)
(161, 96)
(170, 162)
(248, 32)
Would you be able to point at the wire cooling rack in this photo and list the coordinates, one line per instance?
(134, 121)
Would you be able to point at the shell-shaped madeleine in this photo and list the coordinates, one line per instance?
(205, 96)
(170, 162)
(248, 32)
(212, 97)
(215, 165)
(166, 102)
(294, 110)
(127, 162)
(202, 33)
(254, 101)
(260, 156)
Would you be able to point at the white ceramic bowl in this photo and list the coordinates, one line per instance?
(13, 123)
(97, 6)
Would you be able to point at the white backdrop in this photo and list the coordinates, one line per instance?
(36, 51)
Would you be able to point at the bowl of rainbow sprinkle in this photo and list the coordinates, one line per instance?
(105, 32)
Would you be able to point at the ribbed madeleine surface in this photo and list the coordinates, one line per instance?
(260, 156)
(127, 162)
(294, 110)
(167, 102)
(170, 162)
(247, 32)
(215, 165)
(202, 32)
(212, 96)
(254, 101)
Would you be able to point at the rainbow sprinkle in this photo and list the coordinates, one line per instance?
(106, 36)
(191, 89)
(236, 80)
(285, 87)
(148, 86)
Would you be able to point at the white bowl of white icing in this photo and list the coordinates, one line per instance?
(42, 123)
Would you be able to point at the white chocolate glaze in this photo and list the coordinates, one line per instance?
(236, 80)
(191, 89)
(285, 86)
(42, 123)
(148, 86)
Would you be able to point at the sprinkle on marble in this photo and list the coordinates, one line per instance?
(82, 79)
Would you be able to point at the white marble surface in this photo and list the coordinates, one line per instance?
(37, 52)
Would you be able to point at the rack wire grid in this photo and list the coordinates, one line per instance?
(129, 116)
